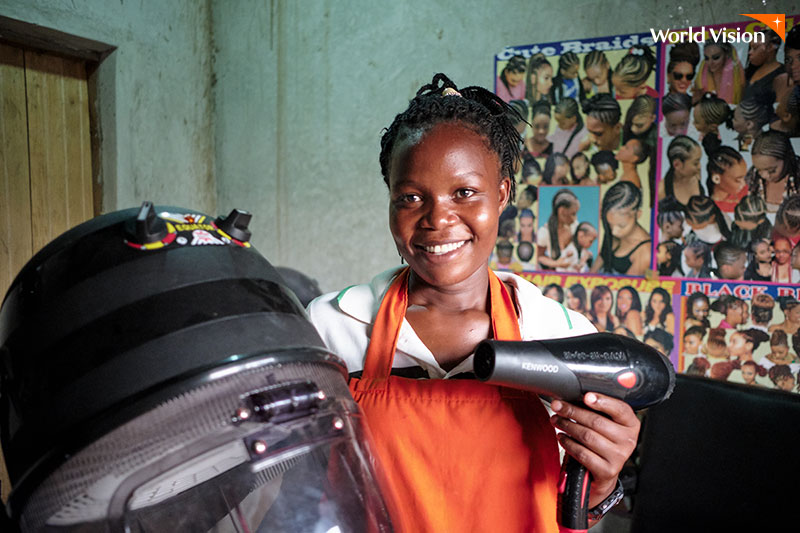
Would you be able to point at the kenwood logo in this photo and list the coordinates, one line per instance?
(540, 367)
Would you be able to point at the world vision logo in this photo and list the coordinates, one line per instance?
(774, 21)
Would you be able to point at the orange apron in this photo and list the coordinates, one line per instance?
(458, 455)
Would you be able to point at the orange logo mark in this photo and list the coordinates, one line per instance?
(775, 21)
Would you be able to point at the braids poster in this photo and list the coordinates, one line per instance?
(658, 192)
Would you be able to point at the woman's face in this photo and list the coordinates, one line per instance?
(700, 123)
(749, 374)
(580, 166)
(514, 78)
(737, 314)
(446, 195)
(573, 302)
(680, 79)
(597, 74)
(783, 251)
(622, 221)
(700, 309)
(714, 57)
(672, 229)
(763, 252)
(624, 301)
(567, 215)
(560, 174)
(677, 122)
(544, 80)
(541, 127)
(732, 181)
(780, 353)
(642, 122)
(759, 53)
(691, 344)
(769, 168)
(603, 304)
(657, 304)
(552, 293)
(793, 314)
(739, 346)
(565, 122)
(786, 384)
(526, 228)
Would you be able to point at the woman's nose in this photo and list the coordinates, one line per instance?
(440, 213)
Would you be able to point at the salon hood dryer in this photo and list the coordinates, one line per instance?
(157, 375)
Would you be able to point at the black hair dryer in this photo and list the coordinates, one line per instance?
(566, 369)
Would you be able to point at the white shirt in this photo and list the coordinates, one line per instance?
(344, 321)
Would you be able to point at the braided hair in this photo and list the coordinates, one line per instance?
(720, 161)
(775, 144)
(475, 108)
(621, 195)
(604, 108)
(714, 110)
(634, 68)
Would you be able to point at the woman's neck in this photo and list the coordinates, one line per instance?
(469, 294)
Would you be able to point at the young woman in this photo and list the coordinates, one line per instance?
(733, 309)
(711, 112)
(576, 298)
(570, 136)
(625, 248)
(697, 309)
(658, 313)
(448, 161)
(749, 118)
(557, 234)
(539, 79)
(598, 74)
(720, 72)
(566, 83)
(683, 59)
(510, 83)
(750, 222)
(759, 267)
(742, 344)
(632, 73)
(774, 173)
(726, 183)
(682, 180)
(537, 145)
(766, 78)
(601, 302)
(706, 220)
(580, 171)
(782, 261)
(675, 108)
(629, 310)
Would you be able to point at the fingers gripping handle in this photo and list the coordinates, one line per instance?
(573, 497)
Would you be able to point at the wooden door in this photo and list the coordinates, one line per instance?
(45, 157)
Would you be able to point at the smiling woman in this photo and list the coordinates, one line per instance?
(448, 161)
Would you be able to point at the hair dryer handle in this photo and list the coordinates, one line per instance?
(573, 496)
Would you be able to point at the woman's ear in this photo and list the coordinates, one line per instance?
(715, 178)
(504, 190)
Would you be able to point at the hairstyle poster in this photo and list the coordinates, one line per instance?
(667, 160)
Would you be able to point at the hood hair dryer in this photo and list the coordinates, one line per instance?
(566, 369)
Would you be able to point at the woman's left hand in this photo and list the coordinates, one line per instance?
(600, 443)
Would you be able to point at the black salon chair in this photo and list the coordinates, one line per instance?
(719, 456)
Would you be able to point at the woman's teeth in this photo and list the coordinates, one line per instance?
(444, 248)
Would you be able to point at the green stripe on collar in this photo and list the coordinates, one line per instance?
(566, 315)
(341, 294)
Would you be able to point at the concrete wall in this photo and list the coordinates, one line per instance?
(277, 106)
(154, 94)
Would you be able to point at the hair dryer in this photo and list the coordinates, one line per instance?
(566, 369)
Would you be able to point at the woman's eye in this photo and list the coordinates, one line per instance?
(407, 198)
(465, 193)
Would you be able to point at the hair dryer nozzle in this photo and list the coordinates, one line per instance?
(568, 368)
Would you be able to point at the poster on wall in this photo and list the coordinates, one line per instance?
(658, 174)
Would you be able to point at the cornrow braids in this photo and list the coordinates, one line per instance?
(751, 208)
(595, 58)
(714, 110)
(753, 111)
(568, 59)
(720, 161)
(788, 216)
(472, 107)
(700, 209)
(676, 102)
(634, 68)
(562, 198)
(642, 105)
(621, 195)
(680, 148)
(604, 108)
(774, 144)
